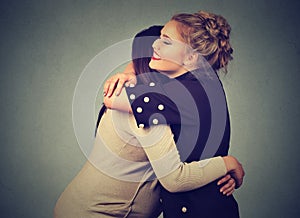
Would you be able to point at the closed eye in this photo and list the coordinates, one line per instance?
(166, 41)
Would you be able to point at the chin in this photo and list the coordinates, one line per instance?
(164, 66)
(152, 65)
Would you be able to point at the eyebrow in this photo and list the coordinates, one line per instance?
(164, 35)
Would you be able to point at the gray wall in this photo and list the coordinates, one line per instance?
(45, 46)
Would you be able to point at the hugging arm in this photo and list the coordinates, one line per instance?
(175, 175)
(123, 101)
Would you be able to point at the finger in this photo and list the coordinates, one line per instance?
(225, 187)
(224, 179)
(106, 87)
(228, 186)
(231, 188)
(110, 84)
(112, 87)
(119, 86)
(230, 193)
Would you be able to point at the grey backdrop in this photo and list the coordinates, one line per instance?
(45, 46)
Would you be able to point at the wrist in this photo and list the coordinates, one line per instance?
(230, 163)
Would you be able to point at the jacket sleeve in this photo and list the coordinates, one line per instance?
(158, 103)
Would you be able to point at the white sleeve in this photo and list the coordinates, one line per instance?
(174, 175)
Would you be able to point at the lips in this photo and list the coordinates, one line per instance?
(155, 57)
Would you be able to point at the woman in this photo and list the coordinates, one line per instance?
(207, 34)
(118, 180)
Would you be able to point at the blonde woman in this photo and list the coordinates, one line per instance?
(207, 34)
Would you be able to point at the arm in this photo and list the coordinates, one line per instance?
(176, 176)
(228, 184)
(171, 114)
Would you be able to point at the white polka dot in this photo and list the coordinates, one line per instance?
(160, 107)
(184, 209)
(152, 84)
(131, 85)
(146, 99)
(139, 110)
(155, 121)
(132, 96)
(141, 125)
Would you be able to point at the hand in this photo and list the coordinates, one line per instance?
(115, 83)
(229, 186)
(235, 169)
(238, 175)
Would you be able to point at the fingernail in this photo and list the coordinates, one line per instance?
(104, 93)
(127, 84)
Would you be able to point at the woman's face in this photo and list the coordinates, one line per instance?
(170, 51)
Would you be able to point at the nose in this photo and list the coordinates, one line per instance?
(156, 44)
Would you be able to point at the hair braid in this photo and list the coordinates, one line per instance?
(209, 34)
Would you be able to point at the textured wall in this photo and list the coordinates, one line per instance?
(45, 46)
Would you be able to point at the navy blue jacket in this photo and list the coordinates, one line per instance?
(184, 104)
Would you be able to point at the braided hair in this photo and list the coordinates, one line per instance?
(208, 34)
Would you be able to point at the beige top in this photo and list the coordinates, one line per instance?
(120, 178)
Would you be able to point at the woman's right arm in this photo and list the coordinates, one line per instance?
(176, 176)
(232, 165)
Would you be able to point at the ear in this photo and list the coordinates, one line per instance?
(191, 60)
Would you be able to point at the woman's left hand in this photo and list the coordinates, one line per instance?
(229, 186)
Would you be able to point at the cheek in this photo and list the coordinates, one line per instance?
(174, 55)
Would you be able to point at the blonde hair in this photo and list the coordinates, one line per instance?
(208, 34)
